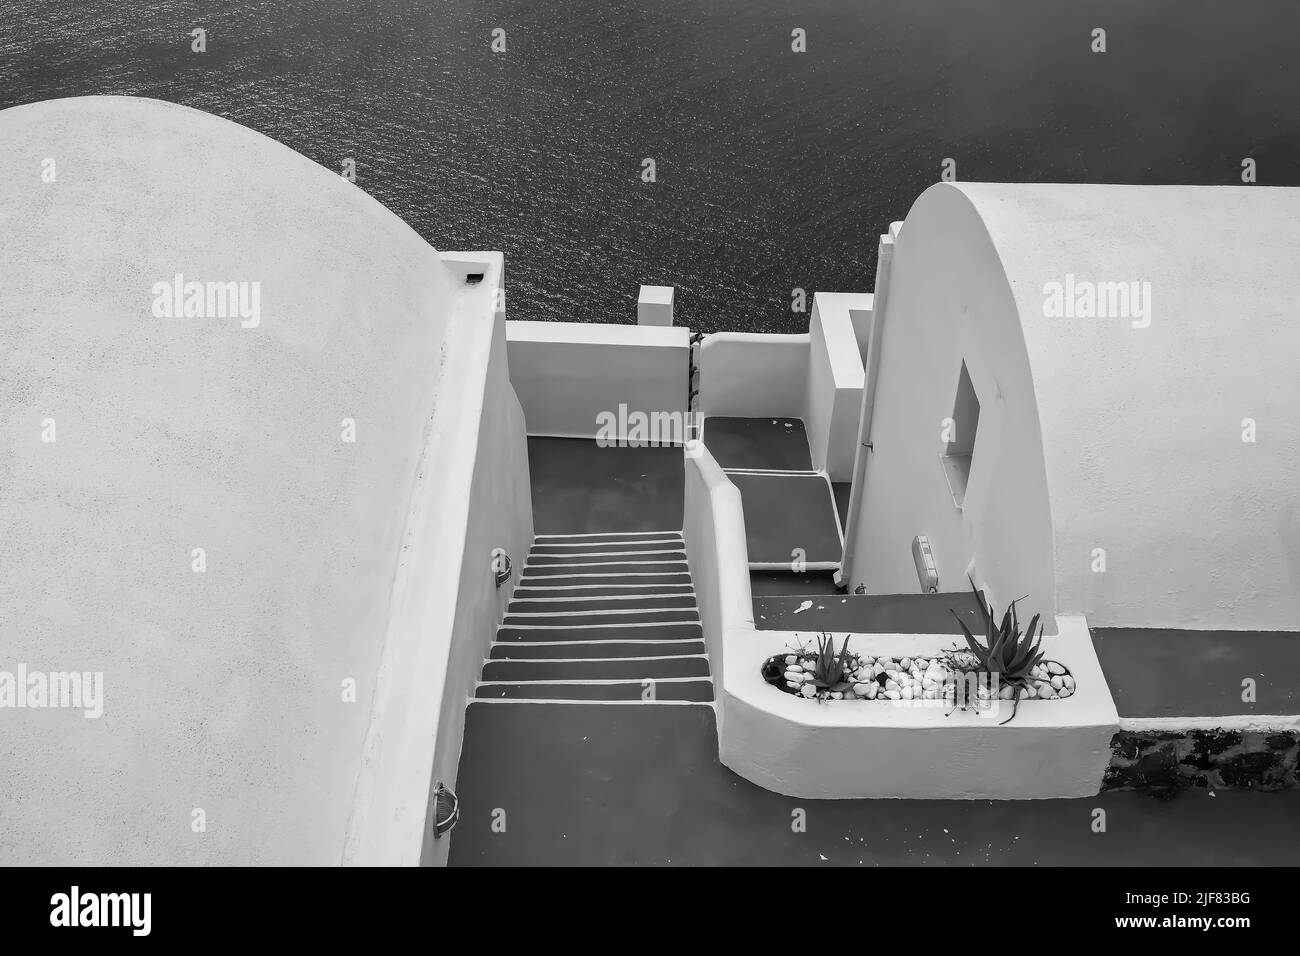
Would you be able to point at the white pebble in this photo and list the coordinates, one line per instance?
(907, 663)
(1006, 692)
(908, 693)
(1057, 683)
(791, 659)
(872, 690)
(808, 690)
(861, 689)
(1068, 681)
(1054, 668)
(893, 695)
(1066, 692)
(793, 684)
(891, 684)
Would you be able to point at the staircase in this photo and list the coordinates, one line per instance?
(601, 618)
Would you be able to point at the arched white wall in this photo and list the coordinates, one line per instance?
(949, 302)
(223, 690)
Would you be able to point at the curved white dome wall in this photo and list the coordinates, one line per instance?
(223, 690)
(1142, 416)
(949, 303)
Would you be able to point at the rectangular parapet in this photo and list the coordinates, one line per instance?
(575, 379)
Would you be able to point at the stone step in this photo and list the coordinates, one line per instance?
(585, 592)
(623, 668)
(610, 603)
(606, 579)
(612, 537)
(671, 615)
(520, 650)
(665, 691)
(606, 568)
(663, 544)
(606, 557)
(663, 631)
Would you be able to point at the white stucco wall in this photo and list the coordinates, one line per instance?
(713, 526)
(473, 497)
(1097, 432)
(949, 302)
(567, 374)
(753, 374)
(833, 398)
(1142, 427)
(224, 690)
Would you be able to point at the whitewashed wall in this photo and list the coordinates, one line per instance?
(714, 530)
(753, 374)
(473, 496)
(567, 374)
(930, 327)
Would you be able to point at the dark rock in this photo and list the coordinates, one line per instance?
(1251, 771)
(1197, 759)
(1281, 741)
(1155, 772)
(1129, 745)
(1215, 741)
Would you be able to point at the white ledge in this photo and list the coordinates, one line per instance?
(899, 749)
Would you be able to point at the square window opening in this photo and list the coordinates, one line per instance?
(964, 428)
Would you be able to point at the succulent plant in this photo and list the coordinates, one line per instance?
(828, 667)
(1010, 655)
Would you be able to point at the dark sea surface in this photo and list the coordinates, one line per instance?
(775, 170)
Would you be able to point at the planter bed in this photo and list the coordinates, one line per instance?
(914, 749)
(906, 679)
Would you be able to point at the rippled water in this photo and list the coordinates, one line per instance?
(775, 170)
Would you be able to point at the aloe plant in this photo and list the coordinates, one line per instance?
(828, 667)
(1010, 655)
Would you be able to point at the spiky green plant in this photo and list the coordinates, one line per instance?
(1010, 655)
(828, 666)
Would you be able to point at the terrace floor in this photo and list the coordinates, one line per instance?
(792, 513)
(629, 783)
(580, 487)
(1174, 673)
(769, 444)
(600, 785)
(868, 613)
